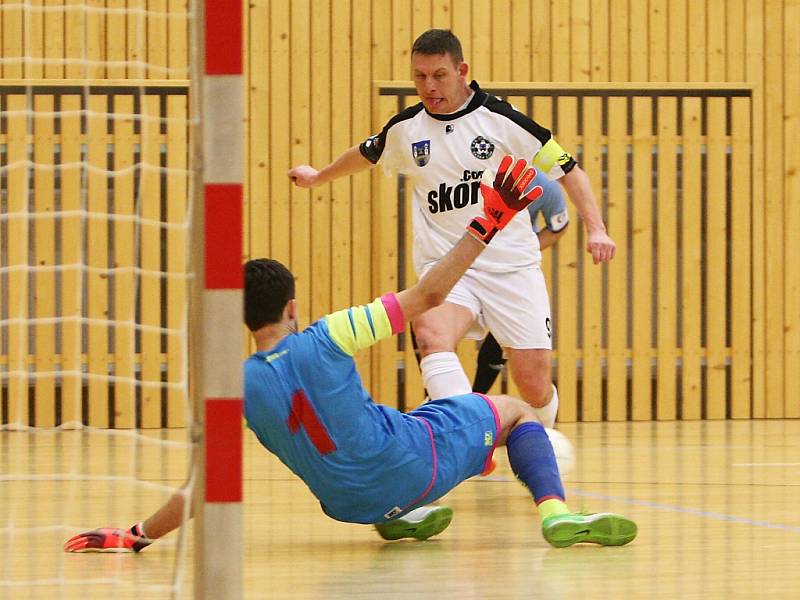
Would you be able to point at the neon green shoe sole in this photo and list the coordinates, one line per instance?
(419, 524)
(606, 529)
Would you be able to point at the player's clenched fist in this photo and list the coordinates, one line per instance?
(107, 539)
(304, 176)
(511, 191)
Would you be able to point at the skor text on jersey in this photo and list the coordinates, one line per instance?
(452, 197)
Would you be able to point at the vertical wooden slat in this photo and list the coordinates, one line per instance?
(600, 54)
(773, 196)
(716, 236)
(54, 41)
(754, 72)
(560, 62)
(385, 249)
(639, 63)
(97, 255)
(44, 300)
(462, 27)
(136, 25)
(420, 17)
(657, 40)
(402, 38)
(178, 32)
(691, 256)
(123, 280)
(116, 51)
(541, 25)
(666, 259)
(442, 13)
(521, 42)
(34, 39)
(259, 109)
(642, 250)
(177, 309)
(150, 301)
(71, 257)
(715, 50)
(481, 39)
(592, 301)
(735, 40)
(502, 53)
(75, 31)
(619, 68)
(617, 321)
(371, 60)
(97, 34)
(300, 123)
(280, 145)
(342, 135)
(321, 269)
(567, 322)
(678, 41)
(580, 46)
(791, 178)
(697, 41)
(156, 54)
(741, 257)
(18, 206)
(13, 44)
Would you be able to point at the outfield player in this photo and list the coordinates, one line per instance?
(553, 210)
(369, 463)
(444, 144)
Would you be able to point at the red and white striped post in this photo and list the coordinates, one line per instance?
(219, 331)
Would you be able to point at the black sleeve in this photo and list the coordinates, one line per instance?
(372, 147)
(501, 107)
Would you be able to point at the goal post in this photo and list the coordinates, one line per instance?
(217, 254)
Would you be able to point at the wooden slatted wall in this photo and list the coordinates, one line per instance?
(92, 254)
(294, 119)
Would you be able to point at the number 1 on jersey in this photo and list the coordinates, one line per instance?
(304, 415)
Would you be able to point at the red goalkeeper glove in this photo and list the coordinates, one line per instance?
(107, 539)
(511, 192)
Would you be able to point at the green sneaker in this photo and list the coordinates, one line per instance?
(606, 529)
(420, 524)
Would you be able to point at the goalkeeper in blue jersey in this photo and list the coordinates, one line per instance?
(553, 210)
(365, 462)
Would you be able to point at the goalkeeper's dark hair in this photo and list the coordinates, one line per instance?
(268, 286)
(438, 41)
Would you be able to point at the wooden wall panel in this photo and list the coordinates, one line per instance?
(309, 64)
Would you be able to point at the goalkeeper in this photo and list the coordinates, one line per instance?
(365, 462)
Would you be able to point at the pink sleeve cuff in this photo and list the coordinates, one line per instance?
(394, 312)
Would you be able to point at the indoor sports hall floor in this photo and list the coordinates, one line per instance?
(716, 504)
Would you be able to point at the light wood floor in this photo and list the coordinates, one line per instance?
(716, 504)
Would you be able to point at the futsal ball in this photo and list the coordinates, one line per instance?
(565, 453)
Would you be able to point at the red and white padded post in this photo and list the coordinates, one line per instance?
(219, 382)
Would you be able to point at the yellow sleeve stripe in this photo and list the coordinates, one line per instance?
(359, 327)
(550, 154)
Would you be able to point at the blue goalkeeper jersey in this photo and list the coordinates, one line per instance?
(306, 404)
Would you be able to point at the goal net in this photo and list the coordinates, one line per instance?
(95, 215)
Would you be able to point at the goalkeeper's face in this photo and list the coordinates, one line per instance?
(441, 82)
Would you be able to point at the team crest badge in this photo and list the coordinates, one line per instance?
(481, 148)
(421, 151)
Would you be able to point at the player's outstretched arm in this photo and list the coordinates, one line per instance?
(598, 243)
(109, 539)
(511, 192)
(349, 163)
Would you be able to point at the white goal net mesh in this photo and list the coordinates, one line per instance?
(95, 216)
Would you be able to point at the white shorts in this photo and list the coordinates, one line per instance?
(514, 306)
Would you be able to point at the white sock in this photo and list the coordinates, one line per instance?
(443, 375)
(547, 414)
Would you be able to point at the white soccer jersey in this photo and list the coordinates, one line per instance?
(445, 156)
